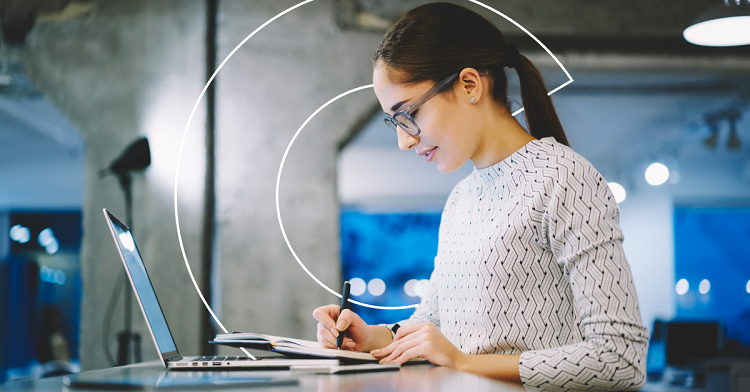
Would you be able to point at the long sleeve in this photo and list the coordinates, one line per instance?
(428, 309)
(582, 230)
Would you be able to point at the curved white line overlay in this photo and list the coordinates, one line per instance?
(278, 179)
(278, 209)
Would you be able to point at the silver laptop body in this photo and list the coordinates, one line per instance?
(157, 324)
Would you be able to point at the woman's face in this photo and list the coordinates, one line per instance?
(446, 137)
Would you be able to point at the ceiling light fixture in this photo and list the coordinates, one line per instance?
(724, 25)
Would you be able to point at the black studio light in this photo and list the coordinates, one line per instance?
(135, 158)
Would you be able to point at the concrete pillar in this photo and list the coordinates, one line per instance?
(130, 69)
(265, 93)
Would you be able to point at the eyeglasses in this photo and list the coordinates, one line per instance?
(404, 119)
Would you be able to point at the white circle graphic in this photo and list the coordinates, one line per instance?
(278, 179)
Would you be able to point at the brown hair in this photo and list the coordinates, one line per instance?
(432, 41)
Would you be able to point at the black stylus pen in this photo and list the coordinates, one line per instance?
(344, 305)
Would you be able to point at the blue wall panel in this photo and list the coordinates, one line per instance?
(392, 247)
(714, 244)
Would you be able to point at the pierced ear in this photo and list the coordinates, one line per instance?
(471, 83)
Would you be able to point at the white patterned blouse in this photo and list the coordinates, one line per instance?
(530, 261)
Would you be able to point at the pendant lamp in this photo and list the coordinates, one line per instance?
(727, 24)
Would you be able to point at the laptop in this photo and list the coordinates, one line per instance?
(157, 324)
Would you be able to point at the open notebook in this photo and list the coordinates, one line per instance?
(294, 347)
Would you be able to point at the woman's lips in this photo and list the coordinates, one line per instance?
(430, 154)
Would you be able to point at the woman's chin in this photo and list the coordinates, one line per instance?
(445, 169)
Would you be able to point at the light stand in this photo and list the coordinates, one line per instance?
(136, 157)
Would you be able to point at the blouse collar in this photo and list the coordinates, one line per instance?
(500, 169)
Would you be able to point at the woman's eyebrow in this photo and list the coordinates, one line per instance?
(395, 107)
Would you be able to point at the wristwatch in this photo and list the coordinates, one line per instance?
(394, 328)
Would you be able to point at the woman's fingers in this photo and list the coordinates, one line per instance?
(331, 324)
(348, 344)
(325, 316)
(400, 348)
(413, 352)
(328, 340)
(405, 337)
(344, 320)
(325, 337)
(409, 329)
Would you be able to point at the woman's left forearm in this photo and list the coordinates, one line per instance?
(498, 366)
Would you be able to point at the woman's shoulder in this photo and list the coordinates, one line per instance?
(565, 164)
(461, 187)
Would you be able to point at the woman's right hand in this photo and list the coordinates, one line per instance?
(356, 331)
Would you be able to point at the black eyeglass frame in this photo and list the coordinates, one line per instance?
(393, 121)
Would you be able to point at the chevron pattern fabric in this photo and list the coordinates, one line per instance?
(530, 261)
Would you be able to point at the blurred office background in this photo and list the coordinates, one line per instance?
(81, 80)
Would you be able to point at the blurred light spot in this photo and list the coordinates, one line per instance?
(45, 274)
(46, 237)
(60, 277)
(747, 287)
(682, 286)
(618, 191)
(704, 286)
(51, 275)
(657, 174)
(358, 286)
(52, 247)
(376, 287)
(20, 234)
(421, 286)
(418, 288)
(409, 287)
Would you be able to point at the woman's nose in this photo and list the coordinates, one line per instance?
(406, 141)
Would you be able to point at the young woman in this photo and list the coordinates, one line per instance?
(530, 283)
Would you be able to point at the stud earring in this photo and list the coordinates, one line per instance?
(473, 99)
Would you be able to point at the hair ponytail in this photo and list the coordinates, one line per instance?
(539, 110)
(434, 40)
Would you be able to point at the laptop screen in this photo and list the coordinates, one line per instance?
(142, 284)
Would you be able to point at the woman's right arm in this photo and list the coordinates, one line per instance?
(358, 335)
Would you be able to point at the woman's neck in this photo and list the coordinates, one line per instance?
(500, 136)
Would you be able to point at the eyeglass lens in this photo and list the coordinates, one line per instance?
(404, 122)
